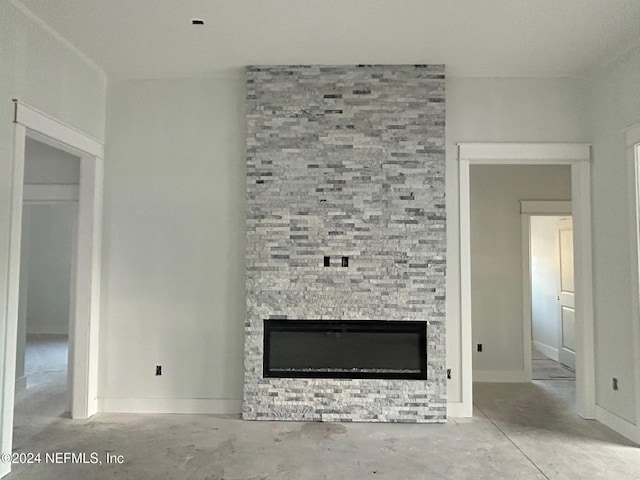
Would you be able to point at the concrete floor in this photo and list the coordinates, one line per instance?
(44, 354)
(519, 431)
(45, 399)
(544, 368)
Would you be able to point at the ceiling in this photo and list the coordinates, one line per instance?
(155, 38)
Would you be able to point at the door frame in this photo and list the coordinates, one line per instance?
(578, 156)
(32, 123)
(528, 209)
(632, 137)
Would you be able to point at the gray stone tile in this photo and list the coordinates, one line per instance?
(346, 161)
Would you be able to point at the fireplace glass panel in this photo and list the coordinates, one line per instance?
(345, 349)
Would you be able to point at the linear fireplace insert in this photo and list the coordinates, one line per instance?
(345, 349)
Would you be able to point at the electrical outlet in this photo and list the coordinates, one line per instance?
(479, 347)
(449, 373)
(614, 383)
(158, 370)
(345, 261)
(327, 261)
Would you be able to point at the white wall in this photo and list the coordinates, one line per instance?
(173, 250)
(500, 110)
(45, 165)
(496, 260)
(615, 94)
(545, 284)
(42, 71)
(51, 228)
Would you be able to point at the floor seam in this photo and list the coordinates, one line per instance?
(511, 441)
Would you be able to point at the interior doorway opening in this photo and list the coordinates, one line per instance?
(47, 290)
(84, 326)
(550, 254)
(578, 157)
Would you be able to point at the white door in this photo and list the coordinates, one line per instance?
(566, 300)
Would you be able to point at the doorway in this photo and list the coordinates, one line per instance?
(577, 156)
(36, 125)
(47, 259)
(552, 296)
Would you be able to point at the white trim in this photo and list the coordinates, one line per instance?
(547, 350)
(583, 279)
(458, 410)
(527, 309)
(466, 339)
(619, 424)
(207, 406)
(87, 288)
(47, 129)
(501, 376)
(13, 295)
(632, 136)
(44, 26)
(532, 153)
(578, 156)
(546, 207)
(51, 193)
(84, 331)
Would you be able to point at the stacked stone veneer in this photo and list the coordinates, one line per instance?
(345, 161)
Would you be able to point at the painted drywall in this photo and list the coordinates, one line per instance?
(42, 71)
(500, 110)
(50, 232)
(545, 284)
(615, 94)
(45, 165)
(496, 260)
(174, 247)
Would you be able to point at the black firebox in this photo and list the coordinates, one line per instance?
(381, 349)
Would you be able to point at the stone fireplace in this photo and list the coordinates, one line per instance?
(345, 223)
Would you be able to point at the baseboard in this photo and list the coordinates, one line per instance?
(501, 376)
(21, 384)
(459, 410)
(204, 406)
(547, 351)
(618, 424)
